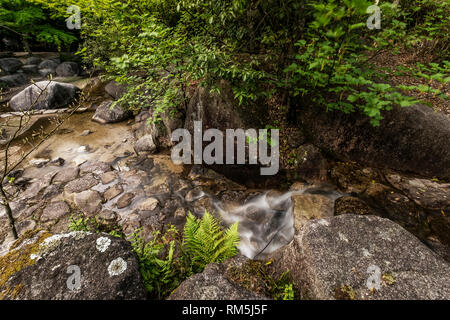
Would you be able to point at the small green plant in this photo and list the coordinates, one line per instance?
(288, 292)
(281, 288)
(80, 223)
(205, 242)
(160, 272)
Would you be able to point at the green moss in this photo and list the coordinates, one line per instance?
(345, 292)
(17, 259)
(388, 279)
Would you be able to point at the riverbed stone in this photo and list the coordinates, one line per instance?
(67, 69)
(104, 114)
(66, 174)
(125, 200)
(81, 184)
(149, 204)
(89, 201)
(113, 192)
(48, 64)
(108, 177)
(44, 95)
(95, 167)
(310, 206)
(13, 80)
(145, 144)
(10, 65)
(54, 211)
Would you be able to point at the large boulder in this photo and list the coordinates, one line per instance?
(363, 257)
(13, 80)
(145, 144)
(67, 69)
(215, 283)
(48, 64)
(10, 65)
(33, 60)
(44, 95)
(414, 139)
(105, 114)
(71, 266)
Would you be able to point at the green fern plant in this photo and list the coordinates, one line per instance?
(204, 241)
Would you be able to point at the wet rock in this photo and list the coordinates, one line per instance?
(149, 204)
(108, 177)
(104, 114)
(46, 267)
(81, 184)
(113, 192)
(213, 284)
(13, 80)
(48, 64)
(57, 162)
(89, 201)
(310, 206)
(10, 65)
(67, 174)
(205, 203)
(344, 257)
(44, 95)
(107, 215)
(85, 133)
(310, 163)
(39, 163)
(46, 72)
(351, 205)
(180, 213)
(115, 90)
(145, 144)
(125, 200)
(54, 211)
(37, 186)
(414, 139)
(428, 194)
(67, 69)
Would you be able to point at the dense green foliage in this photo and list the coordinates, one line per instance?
(302, 51)
(31, 23)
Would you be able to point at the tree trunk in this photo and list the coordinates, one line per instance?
(8, 212)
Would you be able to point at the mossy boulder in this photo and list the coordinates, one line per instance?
(70, 266)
